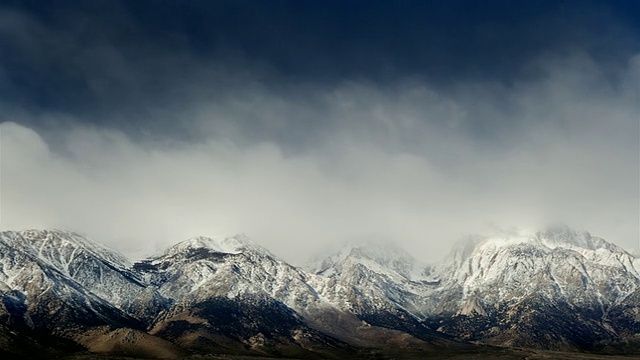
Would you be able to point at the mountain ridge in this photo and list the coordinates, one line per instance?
(554, 289)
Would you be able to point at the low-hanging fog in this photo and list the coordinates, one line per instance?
(170, 145)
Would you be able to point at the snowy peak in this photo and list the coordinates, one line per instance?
(563, 236)
(61, 248)
(226, 245)
(557, 237)
(558, 263)
(382, 252)
(54, 266)
(541, 245)
(380, 256)
(202, 269)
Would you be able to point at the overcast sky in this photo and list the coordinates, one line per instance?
(305, 123)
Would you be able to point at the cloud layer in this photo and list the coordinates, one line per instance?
(302, 126)
(407, 162)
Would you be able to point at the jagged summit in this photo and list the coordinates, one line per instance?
(75, 277)
(375, 249)
(565, 236)
(60, 246)
(379, 255)
(234, 244)
(557, 236)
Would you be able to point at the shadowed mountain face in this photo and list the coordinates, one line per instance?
(557, 289)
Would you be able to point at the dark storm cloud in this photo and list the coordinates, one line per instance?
(124, 63)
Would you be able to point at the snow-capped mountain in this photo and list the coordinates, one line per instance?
(576, 267)
(377, 281)
(49, 279)
(382, 256)
(372, 276)
(556, 289)
(80, 261)
(200, 268)
(261, 299)
(504, 279)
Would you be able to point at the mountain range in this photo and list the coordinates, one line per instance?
(556, 289)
